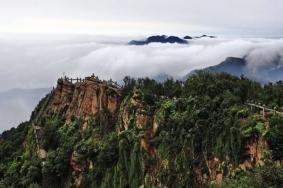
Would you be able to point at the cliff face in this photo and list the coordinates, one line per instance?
(84, 100)
(135, 115)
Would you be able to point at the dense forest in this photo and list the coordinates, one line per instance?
(192, 133)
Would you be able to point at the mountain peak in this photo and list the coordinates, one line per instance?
(159, 39)
(83, 98)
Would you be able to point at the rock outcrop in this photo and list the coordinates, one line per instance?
(254, 153)
(84, 99)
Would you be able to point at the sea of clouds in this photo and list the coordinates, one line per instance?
(36, 61)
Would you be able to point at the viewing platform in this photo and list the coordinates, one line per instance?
(92, 78)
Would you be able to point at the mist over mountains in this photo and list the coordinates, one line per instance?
(271, 72)
(37, 61)
(16, 105)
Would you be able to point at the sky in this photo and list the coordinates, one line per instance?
(131, 17)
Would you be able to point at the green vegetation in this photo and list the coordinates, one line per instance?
(275, 137)
(188, 124)
(264, 177)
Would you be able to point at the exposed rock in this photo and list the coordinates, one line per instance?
(219, 178)
(254, 153)
(255, 150)
(78, 179)
(77, 164)
(127, 110)
(246, 165)
(134, 113)
(85, 99)
(143, 121)
(214, 169)
(42, 154)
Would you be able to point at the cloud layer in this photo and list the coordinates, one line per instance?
(16, 106)
(38, 62)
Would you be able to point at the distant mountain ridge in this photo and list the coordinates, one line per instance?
(206, 36)
(269, 72)
(232, 65)
(167, 39)
(159, 39)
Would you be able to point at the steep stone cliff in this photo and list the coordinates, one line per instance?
(84, 99)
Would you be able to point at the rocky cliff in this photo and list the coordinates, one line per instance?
(146, 134)
(83, 99)
(90, 98)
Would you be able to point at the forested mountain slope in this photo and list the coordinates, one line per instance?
(193, 133)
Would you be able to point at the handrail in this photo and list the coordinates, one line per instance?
(265, 108)
(91, 78)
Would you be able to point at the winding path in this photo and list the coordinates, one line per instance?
(42, 154)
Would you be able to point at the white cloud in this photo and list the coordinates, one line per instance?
(37, 62)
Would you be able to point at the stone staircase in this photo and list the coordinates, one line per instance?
(42, 154)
